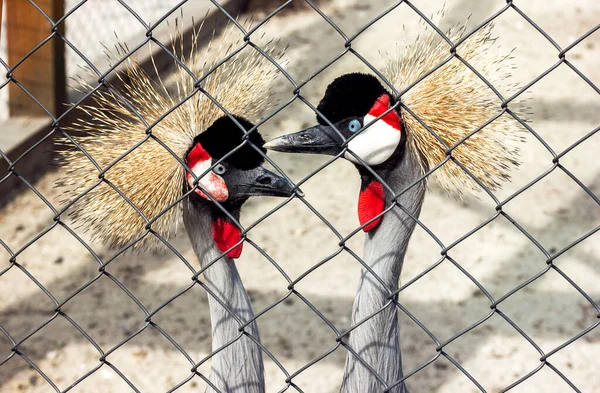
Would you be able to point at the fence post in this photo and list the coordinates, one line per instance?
(43, 73)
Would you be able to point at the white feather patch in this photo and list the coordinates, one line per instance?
(375, 144)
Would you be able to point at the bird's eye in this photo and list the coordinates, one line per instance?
(219, 169)
(354, 125)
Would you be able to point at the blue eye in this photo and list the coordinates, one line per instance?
(220, 169)
(354, 125)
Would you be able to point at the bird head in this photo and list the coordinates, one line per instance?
(229, 169)
(226, 169)
(366, 128)
(360, 110)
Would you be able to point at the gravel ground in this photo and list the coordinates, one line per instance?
(556, 211)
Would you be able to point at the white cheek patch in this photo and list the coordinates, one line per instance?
(211, 182)
(375, 144)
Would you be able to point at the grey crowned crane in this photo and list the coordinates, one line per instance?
(360, 120)
(222, 170)
(239, 366)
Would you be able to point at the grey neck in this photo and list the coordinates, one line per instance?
(377, 340)
(238, 367)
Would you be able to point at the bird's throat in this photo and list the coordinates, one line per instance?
(226, 235)
(371, 202)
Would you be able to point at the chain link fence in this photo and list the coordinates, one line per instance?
(21, 346)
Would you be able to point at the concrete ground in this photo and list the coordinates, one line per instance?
(556, 211)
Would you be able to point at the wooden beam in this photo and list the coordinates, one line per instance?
(42, 73)
(1, 1)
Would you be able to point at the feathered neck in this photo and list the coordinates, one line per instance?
(240, 364)
(377, 340)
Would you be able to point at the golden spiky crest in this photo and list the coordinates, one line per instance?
(453, 102)
(149, 175)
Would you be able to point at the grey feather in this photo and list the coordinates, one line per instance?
(377, 340)
(239, 366)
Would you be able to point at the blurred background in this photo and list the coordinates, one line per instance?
(556, 211)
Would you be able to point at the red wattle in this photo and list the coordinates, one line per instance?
(371, 202)
(226, 235)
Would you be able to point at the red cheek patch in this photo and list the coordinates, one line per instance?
(199, 161)
(391, 118)
(226, 235)
(371, 202)
(212, 183)
(197, 154)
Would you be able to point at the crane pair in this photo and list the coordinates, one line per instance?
(238, 176)
(172, 154)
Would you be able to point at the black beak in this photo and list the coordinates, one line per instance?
(314, 140)
(260, 182)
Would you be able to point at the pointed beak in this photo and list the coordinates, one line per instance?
(313, 140)
(261, 182)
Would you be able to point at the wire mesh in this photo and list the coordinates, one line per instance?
(339, 337)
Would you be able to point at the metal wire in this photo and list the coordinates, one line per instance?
(338, 338)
